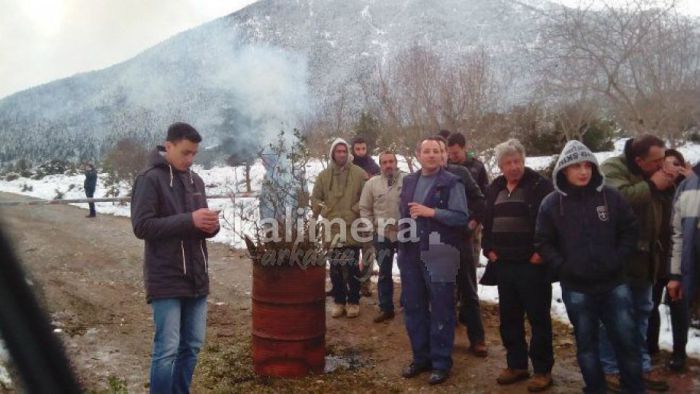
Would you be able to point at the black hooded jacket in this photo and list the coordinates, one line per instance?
(584, 234)
(175, 256)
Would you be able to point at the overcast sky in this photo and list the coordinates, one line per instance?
(43, 40)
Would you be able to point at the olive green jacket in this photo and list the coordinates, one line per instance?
(647, 204)
(336, 195)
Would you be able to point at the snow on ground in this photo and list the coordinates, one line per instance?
(225, 180)
(5, 380)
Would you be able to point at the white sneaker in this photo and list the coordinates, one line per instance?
(338, 310)
(353, 310)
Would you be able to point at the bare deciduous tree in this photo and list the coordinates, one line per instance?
(643, 56)
(418, 93)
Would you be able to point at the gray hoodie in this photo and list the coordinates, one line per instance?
(576, 152)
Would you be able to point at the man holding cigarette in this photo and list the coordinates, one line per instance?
(169, 211)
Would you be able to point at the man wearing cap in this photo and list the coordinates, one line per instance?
(585, 231)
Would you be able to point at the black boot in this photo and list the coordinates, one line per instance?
(438, 376)
(677, 362)
(414, 370)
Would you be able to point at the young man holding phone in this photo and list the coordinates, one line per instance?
(169, 211)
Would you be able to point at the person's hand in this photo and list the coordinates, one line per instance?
(472, 224)
(675, 291)
(492, 256)
(661, 179)
(418, 210)
(685, 171)
(206, 220)
(536, 259)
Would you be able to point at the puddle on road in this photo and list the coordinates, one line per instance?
(349, 362)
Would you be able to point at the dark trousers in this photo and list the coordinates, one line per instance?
(345, 274)
(524, 289)
(615, 310)
(385, 250)
(368, 261)
(91, 204)
(429, 313)
(679, 321)
(469, 308)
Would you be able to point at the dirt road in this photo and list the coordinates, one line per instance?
(88, 273)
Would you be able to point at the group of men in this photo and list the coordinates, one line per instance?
(447, 207)
(603, 231)
(596, 229)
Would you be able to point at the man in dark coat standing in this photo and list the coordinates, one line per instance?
(458, 155)
(169, 211)
(638, 175)
(524, 288)
(90, 185)
(467, 290)
(362, 159)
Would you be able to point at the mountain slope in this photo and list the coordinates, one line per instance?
(252, 73)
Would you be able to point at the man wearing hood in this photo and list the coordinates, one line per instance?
(169, 211)
(585, 231)
(336, 197)
(639, 176)
(524, 288)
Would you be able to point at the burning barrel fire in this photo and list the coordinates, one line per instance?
(289, 315)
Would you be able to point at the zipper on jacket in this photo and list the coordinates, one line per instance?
(206, 263)
(184, 264)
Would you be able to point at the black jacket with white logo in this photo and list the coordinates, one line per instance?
(585, 235)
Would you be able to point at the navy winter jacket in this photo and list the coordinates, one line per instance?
(90, 182)
(585, 235)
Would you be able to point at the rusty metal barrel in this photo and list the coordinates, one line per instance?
(289, 320)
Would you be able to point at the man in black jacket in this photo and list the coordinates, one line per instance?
(585, 231)
(524, 288)
(458, 155)
(169, 211)
(467, 291)
(90, 185)
(361, 157)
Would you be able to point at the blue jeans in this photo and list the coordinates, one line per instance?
(642, 305)
(614, 309)
(385, 251)
(180, 325)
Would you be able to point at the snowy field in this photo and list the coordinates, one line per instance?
(224, 180)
